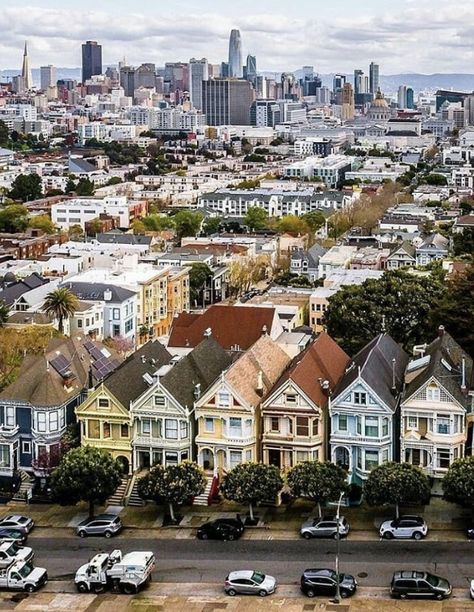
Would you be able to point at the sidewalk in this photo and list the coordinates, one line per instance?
(210, 598)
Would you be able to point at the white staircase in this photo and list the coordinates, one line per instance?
(117, 499)
(203, 499)
(134, 499)
(26, 485)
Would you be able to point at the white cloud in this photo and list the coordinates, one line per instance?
(422, 36)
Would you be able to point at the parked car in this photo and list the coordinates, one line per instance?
(6, 533)
(420, 585)
(325, 527)
(16, 521)
(470, 533)
(471, 590)
(407, 526)
(249, 583)
(11, 551)
(221, 529)
(324, 582)
(106, 525)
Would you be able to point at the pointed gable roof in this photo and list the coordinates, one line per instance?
(374, 364)
(230, 326)
(127, 383)
(264, 356)
(323, 360)
(443, 361)
(201, 366)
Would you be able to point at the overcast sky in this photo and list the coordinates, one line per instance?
(340, 35)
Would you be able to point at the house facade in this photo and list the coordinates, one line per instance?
(294, 414)
(163, 421)
(437, 399)
(433, 247)
(228, 414)
(104, 416)
(364, 409)
(401, 256)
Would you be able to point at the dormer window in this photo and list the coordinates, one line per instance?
(103, 402)
(160, 400)
(223, 398)
(360, 398)
(432, 393)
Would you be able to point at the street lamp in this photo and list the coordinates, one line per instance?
(337, 599)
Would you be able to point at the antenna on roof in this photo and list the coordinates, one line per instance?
(394, 382)
(384, 327)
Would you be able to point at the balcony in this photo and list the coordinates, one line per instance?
(7, 433)
(108, 443)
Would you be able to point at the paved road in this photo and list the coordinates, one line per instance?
(210, 561)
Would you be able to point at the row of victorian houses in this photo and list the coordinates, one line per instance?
(224, 405)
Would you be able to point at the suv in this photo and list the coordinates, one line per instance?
(249, 583)
(420, 585)
(221, 529)
(16, 521)
(404, 527)
(101, 525)
(325, 527)
(324, 581)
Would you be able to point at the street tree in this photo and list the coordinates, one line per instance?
(43, 223)
(26, 187)
(256, 218)
(199, 275)
(399, 303)
(211, 225)
(85, 474)
(458, 484)
(317, 481)
(292, 224)
(251, 483)
(396, 484)
(60, 304)
(314, 220)
(172, 485)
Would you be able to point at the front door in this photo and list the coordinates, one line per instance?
(274, 457)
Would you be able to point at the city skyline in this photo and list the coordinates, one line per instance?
(422, 37)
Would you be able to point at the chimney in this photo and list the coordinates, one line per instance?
(107, 295)
(324, 386)
(259, 387)
(264, 330)
(463, 376)
(90, 381)
(208, 332)
(441, 331)
(197, 391)
(394, 379)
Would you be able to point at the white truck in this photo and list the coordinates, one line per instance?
(125, 574)
(11, 551)
(22, 576)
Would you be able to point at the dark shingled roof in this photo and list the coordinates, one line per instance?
(127, 382)
(95, 291)
(443, 349)
(376, 368)
(122, 238)
(201, 366)
(16, 289)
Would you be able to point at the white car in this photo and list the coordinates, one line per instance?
(407, 526)
(249, 583)
(472, 589)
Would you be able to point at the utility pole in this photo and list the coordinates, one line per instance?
(337, 599)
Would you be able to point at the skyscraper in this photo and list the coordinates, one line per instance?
(91, 59)
(235, 54)
(227, 101)
(358, 81)
(48, 77)
(348, 110)
(251, 68)
(26, 70)
(402, 96)
(198, 72)
(374, 78)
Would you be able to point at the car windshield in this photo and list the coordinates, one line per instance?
(433, 580)
(25, 571)
(12, 549)
(258, 577)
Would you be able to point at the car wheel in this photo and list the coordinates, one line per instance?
(262, 593)
(82, 587)
(310, 593)
(232, 592)
(334, 537)
(388, 535)
(344, 594)
(82, 534)
(231, 537)
(29, 588)
(417, 535)
(203, 536)
(306, 535)
(108, 534)
(439, 596)
(128, 589)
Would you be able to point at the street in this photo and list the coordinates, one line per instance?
(195, 561)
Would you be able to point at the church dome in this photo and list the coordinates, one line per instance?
(379, 101)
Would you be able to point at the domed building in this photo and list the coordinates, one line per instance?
(379, 109)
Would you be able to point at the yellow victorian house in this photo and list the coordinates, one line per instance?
(104, 416)
(228, 413)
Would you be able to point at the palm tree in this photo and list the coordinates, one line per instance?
(60, 304)
(4, 312)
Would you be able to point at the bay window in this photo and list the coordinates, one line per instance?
(371, 426)
(342, 420)
(183, 433)
(41, 421)
(235, 427)
(171, 429)
(302, 426)
(371, 460)
(235, 458)
(4, 455)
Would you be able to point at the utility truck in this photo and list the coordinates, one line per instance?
(125, 574)
(22, 576)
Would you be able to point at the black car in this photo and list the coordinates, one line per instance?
(324, 582)
(9, 533)
(420, 585)
(470, 533)
(221, 529)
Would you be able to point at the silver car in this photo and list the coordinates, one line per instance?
(15, 521)
(101, 525)
(408, 526)
(249, 583)
(325, 527)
